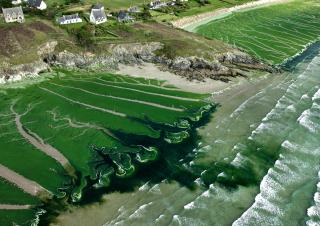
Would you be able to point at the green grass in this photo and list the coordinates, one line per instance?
(118, 4)
(273, 33)
(106, 125)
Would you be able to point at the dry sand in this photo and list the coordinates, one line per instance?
(151, 71)
(191, 22)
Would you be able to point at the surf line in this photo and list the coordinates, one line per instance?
(38, 143)
(28, 186)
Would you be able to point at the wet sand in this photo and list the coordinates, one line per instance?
(38, 143)
(14, 207)
(25, 184)
(151, 71)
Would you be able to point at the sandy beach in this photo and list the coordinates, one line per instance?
(191, 22)
(151, 71)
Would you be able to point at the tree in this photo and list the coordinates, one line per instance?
(145, 14)
(5, 4)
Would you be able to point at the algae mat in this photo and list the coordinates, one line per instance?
(274, 33)
(77, 131)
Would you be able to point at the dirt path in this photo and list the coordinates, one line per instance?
(191, 22)
(14, 207)
(38, 142)
(29, 186)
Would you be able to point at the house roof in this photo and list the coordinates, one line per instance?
(98, 6)
(68, 17)
(133, 9)
(123, 14)
(12, 11)
(34, 3)
(98, 14)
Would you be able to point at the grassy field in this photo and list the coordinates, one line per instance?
(105, 125)
(273, 33)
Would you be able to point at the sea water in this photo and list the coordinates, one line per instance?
(271, 123)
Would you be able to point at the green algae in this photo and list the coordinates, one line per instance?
(107, 126)
(274, 33)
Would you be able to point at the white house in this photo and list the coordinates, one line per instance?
(98, 15)
(16, 2)
(13, 14)
(156, 4)
(134, 9)
(69, 19)
(39, 4)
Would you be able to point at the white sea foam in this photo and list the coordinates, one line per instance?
(187, 221)
(291, 108)
(237, 161)
(206, 194)
(140, 211)
(160, 218)
(189, 206)
(305, 121)
(198, 181)
(144, 187)
(296, 159)
(316, 96)
(155, 189)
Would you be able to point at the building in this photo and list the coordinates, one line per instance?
(69, 19)
(13, 14)
(125, 17)
(157, 4)
(134, 9)
(16, 2)
(39, 4)
(98, 15)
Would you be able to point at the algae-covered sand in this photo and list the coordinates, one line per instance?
(85, 130)
(275, 33)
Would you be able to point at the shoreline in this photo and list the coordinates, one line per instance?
(190, 23)
(151, 71)
(109, 210)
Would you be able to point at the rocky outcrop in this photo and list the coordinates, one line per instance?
(192, 68)
(116, 54)
(17, 73)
